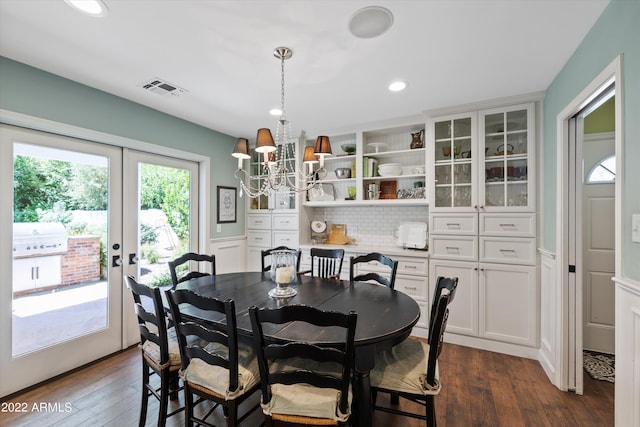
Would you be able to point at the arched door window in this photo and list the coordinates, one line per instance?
(603, 172)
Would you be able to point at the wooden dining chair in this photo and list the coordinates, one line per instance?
(442, 283)
(160, 350)
(266, 254)
(217, 365)
(177, 276)
(410, 369)
(325, 263)
(378, 259)
(304, 383)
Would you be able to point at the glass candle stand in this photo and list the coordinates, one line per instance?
(283, 272)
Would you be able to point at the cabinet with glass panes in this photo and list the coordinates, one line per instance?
(282, 198)
(483, 161)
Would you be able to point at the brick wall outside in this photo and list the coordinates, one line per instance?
(81, 263)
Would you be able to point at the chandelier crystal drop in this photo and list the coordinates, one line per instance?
(276, 168)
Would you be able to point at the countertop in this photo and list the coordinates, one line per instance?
(365, 249)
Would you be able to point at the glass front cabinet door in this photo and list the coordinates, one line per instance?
(506, 170)
(484, 161)
(454, 164)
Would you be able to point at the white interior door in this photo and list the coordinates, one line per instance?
(162, 221)
(57, 318)
(598, 210)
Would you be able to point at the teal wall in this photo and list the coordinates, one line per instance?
(31, 91)
(617, 31)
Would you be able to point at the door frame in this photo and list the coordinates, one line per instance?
(569, 315)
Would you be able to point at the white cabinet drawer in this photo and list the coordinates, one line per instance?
(413, 266)
(414, 286)
(454, 247)
(257, 221)
(259, 238)
(506, 250)
(285, 238)
(513, 225)
(454, 224)
(285, 221)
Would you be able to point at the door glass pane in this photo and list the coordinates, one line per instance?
(163, 220)
(59, 246)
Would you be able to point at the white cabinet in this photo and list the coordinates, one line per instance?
(483, 161)
(267, 230)
(36, 272)
(482, 220)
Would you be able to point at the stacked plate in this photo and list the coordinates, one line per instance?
(390, 169)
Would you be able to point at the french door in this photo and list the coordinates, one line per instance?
(161, 221)
(60, 295)
(63, 302)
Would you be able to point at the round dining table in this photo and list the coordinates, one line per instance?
(385, 317)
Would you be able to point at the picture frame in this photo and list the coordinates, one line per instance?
(227, 205)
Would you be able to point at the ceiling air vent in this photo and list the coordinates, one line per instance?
(162, 87)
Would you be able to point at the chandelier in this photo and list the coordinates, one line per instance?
(276, 168)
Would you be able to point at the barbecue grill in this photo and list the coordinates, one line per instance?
(38, 238)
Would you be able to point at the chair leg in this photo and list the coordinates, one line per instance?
(188, 406)
(430, 412)
(164, 398)
(231, 414)
(173, 387)
(145, 394)
(394, 398)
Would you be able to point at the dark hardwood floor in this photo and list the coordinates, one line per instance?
(480, 388)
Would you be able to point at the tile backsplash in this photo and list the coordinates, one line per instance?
(372, 225)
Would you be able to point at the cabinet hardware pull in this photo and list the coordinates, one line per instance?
(410, 266)
(455, 225)
(411, 288)
(475, 268)
(508, 250)
(453, 249)
(507, 225)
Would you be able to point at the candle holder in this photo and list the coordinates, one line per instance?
(283, 272)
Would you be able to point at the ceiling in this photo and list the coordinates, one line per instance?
(219, 52)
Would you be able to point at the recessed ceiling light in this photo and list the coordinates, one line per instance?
(397, 86)
(95, 8)
(370, 22)
(275, 112)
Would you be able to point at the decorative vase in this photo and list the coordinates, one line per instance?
(417, 139)
(283, 272)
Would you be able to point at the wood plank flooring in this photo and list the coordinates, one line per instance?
(480, 388)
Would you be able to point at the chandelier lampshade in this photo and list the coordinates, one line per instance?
(276, 169)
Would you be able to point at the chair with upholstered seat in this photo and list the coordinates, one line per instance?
(377, 259)
(216, 364)
(160, 350)
(266, 254)
(410, 369)
(303, 383)
(325, 263)
(177, 276)
(442, 283)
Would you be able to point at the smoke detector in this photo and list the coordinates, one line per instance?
(162, 87)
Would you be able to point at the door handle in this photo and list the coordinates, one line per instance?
(132, 259)
(116, 261)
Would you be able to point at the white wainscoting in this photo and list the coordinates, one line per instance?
(231, 254)
(627, 386)
(550, 307)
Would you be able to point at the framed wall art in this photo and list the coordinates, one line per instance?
(227, 205)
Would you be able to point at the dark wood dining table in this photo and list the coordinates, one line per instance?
(385, 317)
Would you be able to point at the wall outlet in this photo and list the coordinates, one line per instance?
(635, 228)
(219, 228)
